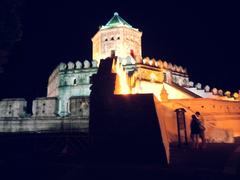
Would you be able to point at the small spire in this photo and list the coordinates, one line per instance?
(164, 94)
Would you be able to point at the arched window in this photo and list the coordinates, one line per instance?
(74, 81)
(112, 38)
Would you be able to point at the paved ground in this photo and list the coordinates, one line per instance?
(217, 161)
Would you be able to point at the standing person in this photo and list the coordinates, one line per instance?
(201, 129)
(195, 131)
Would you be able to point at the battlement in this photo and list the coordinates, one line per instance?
(47, 106)
(153, 63)
(163, 65)
(78, 65)
(15, 107)
(43, 107)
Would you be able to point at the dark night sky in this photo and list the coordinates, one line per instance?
(202, 36)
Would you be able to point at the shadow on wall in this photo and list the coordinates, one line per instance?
(124, 128)
(127, 130)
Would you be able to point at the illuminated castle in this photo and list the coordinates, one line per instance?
(120, 40)
(69, 85)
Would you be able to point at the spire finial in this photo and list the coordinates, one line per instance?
(116, 14)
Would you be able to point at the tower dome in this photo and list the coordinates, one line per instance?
(116, 21)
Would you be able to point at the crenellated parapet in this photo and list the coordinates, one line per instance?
(207, 92)
(12, 108)
(155, 70)
(44, 117)
(45, 107)
(161, 64)
(70, 74)
(72, 79)
(78, 65)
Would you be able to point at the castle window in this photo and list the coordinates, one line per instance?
(165, 76)
(44, 104)
(74, 81)
(118, 38)
(106, 39)
(112, 38)
(43, 112)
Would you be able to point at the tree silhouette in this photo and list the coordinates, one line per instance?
(10, 27)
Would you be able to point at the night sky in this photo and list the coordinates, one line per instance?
(202, 36)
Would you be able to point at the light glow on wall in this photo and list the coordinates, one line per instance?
(122, 85)
(153, 77)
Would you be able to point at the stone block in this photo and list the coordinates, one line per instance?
(13, 107)
(45, 106)
(79, 106)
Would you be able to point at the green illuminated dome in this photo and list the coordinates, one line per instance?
(116, 21)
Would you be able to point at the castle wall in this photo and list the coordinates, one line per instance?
(44, 124)
(45, 106)
(221, 118)
(13, 107)
(53, 83)
(156, 88)
(79, 106)
(68, 89)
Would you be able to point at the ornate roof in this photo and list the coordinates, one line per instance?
(116, 21)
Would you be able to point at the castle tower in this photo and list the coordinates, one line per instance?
(116, 38)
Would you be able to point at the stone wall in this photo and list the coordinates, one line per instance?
(45, 106)
(221, 118)
(44, 124)
(44, 117)
(70, 80)
(122, 40)
(79, 106)
(143, 87)
(13, 107)
(53, 83)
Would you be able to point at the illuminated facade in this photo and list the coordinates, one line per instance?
(69, 89)
(136, 75)
(117, 37)
(70, 80)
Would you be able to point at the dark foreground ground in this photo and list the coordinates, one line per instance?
(65, 156)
